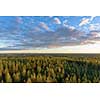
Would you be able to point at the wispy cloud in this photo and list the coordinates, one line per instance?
(92, 17)
(85, 21)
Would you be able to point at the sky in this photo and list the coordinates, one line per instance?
(50, 34)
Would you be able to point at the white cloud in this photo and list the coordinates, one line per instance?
(44, 26)
(65, 24)
(85, 21)
(92, 17)
(57, 20)
(72, 27)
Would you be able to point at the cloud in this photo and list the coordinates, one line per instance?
(72, 27)
(65, 24)
(44, 26)
(92, 17)
(74, 37)
(91, 38)
(95, 26)
(94, 35)
(57, 20)
(39, 35)
(68, 32)
(63, 36)
(85, 21)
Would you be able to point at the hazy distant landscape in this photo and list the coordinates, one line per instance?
(52, 54)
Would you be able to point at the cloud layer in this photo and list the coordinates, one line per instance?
(18, 33)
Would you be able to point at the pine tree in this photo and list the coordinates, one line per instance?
(23, 73)
(8, 78)
(39, 78)
(17, 77)
(28, 73)
(74, 78)
(0, 75)
(29, 80)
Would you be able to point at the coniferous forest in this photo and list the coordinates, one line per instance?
(49, 69)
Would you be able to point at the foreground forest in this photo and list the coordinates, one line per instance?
(49, 69)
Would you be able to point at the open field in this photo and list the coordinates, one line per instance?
(50, 68)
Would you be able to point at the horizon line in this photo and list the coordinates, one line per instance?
(45, 52)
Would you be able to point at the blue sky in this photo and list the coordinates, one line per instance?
(72, 33)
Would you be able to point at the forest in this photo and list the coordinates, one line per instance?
(49, 69)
